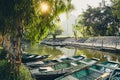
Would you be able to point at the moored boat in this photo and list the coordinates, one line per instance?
(96, 72)
(32, 57)
(54, 61)
(57, 70)
(79, 57)
(115, 75)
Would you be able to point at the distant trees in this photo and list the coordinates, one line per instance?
(57, 28)
(116, 8)
(56, 32)
(98, 21)
(116, 11)
(75, 31)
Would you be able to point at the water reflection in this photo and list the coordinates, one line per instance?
(57, 52)
(44, 50)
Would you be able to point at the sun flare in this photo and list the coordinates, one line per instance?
(44, 7)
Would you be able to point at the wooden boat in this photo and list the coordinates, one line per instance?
(57, 70)
(72, 58)
(32, 57)
(96, 72)
(115, 75)
(38, 64)
(75, 58)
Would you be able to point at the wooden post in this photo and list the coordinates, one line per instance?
(116, 45)
(93, 42)
(102, 44)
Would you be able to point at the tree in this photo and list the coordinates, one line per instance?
(75, 31)
(116, 11)
(20, 18)
(116, 8)
(98, 21)
(79, 26)
(0, 39)
(56, 32)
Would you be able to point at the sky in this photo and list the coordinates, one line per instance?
(80, 6)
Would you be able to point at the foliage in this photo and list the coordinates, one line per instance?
(3, 54)
(4, 70)
(116, 11)
(56, 32)
(97, 22)
(26, 14)
(23, 18)
(75, 31)
(25, 74)
(116, 8)
(1, 38)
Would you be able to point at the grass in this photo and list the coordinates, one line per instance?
(2, 54)
(1, 47)
(5, 70)
(25, 74)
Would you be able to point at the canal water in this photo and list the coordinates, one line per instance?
(59, 52)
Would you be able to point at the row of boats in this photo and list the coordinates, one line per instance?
(71, 68)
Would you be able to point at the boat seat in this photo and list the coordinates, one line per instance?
(104, 76)
(105, 66)
(73, 64)
(95, 70)
(31, 56)
(115, 74)
(70, 78)
(38, 56)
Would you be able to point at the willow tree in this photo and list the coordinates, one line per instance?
(29, 19)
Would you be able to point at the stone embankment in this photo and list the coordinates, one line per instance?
(109, 42)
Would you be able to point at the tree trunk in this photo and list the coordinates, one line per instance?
(54, 37)
(1, 39)
(15, 54)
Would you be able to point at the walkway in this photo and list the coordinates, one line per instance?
(110, 42)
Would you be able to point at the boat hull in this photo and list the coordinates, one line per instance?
(32, 58)
(48, 77)
(95, 72)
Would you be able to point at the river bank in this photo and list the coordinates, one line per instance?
(110, 43)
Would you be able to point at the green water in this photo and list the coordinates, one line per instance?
(57, 52)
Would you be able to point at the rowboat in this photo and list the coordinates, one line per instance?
(32, 57)
(57, 70)
(99, 71)
(46, 63)
(115, 75)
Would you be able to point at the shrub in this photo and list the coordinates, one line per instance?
(6, 75)
(2, 54)
(25, 73)
(4, 70)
